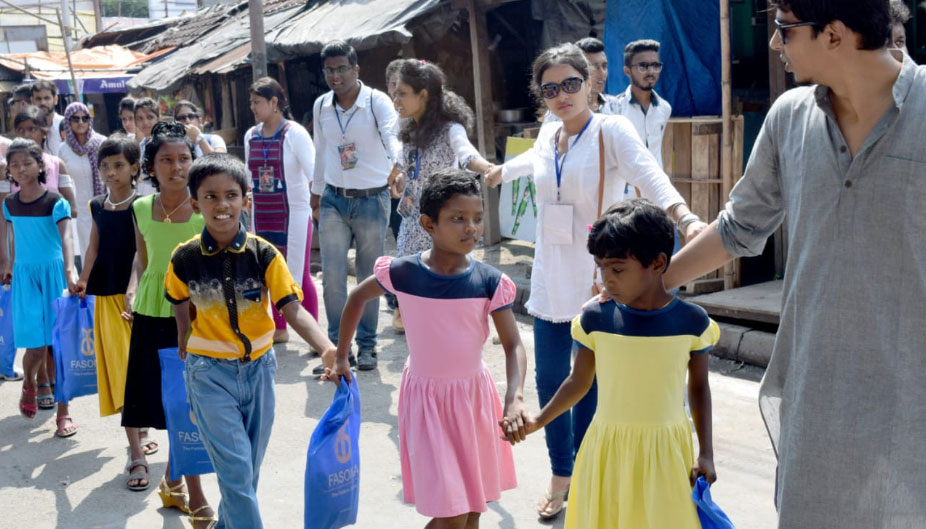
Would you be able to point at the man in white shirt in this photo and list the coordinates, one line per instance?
(648, 112)
(45, 96)
(355, 131)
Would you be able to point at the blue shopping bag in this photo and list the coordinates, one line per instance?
(188, 456)
(708, 512)
(74, 351)
(332, 468)
(7, 347)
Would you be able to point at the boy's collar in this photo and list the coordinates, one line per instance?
(209, 246)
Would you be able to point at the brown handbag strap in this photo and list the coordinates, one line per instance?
(600, 186)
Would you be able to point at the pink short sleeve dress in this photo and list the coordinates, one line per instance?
(453, 459)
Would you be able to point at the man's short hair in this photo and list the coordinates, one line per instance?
(339, 48)
(639, 46)
(23, 92)
(900, 12)
(590, 45)
(45, 84)
(871, 19)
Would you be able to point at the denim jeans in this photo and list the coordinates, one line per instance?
(553, 347)
(233, 404)
(342, 220)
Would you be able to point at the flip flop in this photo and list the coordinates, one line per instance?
(27, 409)
(46, 402)
(65, 432)
(138, 475)
(560, 496)
(150, 447)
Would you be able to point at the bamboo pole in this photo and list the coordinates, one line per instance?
(726, 156)
(67, 53)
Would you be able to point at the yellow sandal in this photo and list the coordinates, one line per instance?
(172, 497)
(193, 519)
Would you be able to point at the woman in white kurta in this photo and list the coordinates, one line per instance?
(78, 152)
(281, 156)
(564, 164)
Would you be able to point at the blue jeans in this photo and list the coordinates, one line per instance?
(342, 220)
(553, 348)
(233, 404)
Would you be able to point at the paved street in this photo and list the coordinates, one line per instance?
(79, 482)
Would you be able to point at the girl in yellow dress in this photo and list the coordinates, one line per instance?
(635, 467)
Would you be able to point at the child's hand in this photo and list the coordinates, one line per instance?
(72, 281)
(513, 425)
(493, 175)
(127, 314)
(341, 369)
(7, 276)
(81, 289)
(704, 466)
(181, 347)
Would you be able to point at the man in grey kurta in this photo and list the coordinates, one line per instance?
(844, 396)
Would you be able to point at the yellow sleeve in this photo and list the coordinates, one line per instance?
(707, 340)
(283, 288)
(176, 290)
(580, 336)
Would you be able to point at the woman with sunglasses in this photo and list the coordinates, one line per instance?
(564, 162)
(188, 113)
(79, 153)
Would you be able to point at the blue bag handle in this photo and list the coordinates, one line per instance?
(343, 402)
(708, 512)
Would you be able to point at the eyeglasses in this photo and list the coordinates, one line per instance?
(340, 70)
(187, 117)
(570, 85)
(78, 119)
(643, 67)
(782, 27)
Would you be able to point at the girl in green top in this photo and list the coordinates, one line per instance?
(162, 221)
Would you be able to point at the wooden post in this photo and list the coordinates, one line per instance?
(726, 153)
(258, 45)
(67, 53)
(97, 16)
(485, 115)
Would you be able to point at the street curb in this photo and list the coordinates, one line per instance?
(743, 344)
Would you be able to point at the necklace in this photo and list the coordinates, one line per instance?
(117, 204)
(166, 214)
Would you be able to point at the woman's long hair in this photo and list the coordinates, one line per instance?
(443, 106)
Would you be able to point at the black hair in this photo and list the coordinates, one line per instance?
(185, 103)
(120, 144)
(590, 45)
(164, 132)
(32, 113)
(393, 67)
(218, 163)
(268, 88)
(900, 12)
(29, 147)
(45, 84)
(339, 48)
(870, 19)
(443, 106)
(639, 46)
(23, 91)
(444, 185)
(633, 228)
(566, 54)
(127, 103)
(147, 103)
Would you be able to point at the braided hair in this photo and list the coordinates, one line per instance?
(164, 132)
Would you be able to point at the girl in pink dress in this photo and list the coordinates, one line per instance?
(453, 457)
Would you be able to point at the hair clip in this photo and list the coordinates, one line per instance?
(589, 228)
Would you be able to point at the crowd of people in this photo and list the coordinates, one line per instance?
(186, 246)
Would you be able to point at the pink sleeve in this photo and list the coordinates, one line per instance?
(381, 272)
(504, 295)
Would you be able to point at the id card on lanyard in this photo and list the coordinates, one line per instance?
(266, 176)
(347, 150)
(558, 216)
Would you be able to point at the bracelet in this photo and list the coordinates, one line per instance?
(686, 219)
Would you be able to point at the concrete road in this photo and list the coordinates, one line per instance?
(79, 483)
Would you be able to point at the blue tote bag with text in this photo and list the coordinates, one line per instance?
(72, 343)
(7, 348)
(188, 456)
(708, 512)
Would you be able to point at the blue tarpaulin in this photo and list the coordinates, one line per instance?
(690, 36)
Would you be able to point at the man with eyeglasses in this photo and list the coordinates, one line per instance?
(45, 96)
(842, 160)
(648, 112)
(355, 131)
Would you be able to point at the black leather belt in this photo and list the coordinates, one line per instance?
(357, 193)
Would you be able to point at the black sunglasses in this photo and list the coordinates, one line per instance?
(570, 85)
(184, 117)
(783, 27)
(78, 119)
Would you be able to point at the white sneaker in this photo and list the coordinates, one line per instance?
(12, 378)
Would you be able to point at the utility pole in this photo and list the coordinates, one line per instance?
(258, 45)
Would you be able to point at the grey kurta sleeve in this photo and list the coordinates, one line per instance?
(755, 209)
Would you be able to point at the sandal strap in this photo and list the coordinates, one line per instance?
(63, 418)
(44, 385)
(28, 392)
(194, 518)
(172, 491)
(136, 463)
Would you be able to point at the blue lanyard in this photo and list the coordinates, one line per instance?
(556, 162)
(414, 176)
(263, 139)
(338, 115)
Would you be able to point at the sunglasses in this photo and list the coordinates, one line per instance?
(78, 119)
(782, 28)
(340, 70)
(187, 117)
(570, 85)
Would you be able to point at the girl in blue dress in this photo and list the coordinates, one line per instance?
(42, 265)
